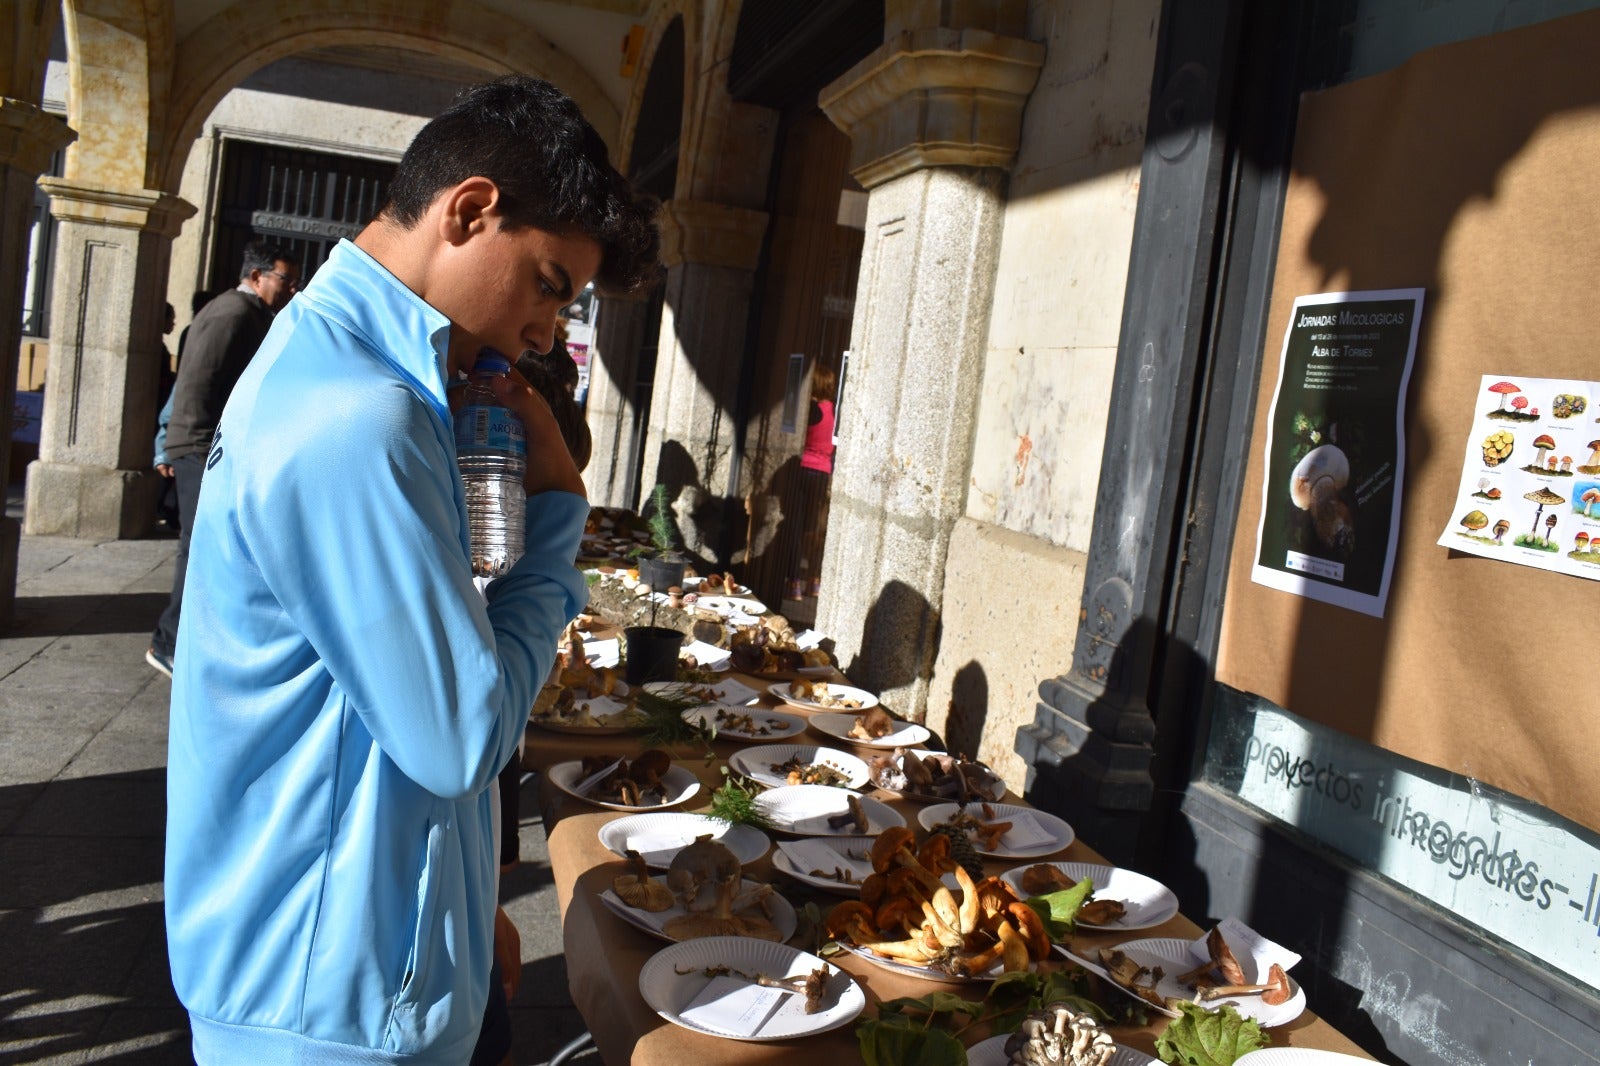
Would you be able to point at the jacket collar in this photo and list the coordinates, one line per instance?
(396, 323)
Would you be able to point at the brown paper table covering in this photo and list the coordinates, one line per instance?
(604, 954)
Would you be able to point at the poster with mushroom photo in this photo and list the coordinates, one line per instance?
(1330, 508)
(1530, 482)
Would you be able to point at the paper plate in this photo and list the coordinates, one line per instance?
(664, 835)
(758, 763)
(784, 690)
(670, 992)
(747, 723)
(1172, 954)
(925, 973)
(589, 718)
(838, 726)
(992, 1052)
(830, 855)
(997, 787)
(1298, 1056)
(1053, 833)
(805, 809)
(728, 692)
(680, 785)
(783, 915)
(727, 606)
(1147, 902)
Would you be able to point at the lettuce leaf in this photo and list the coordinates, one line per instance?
(1200, 1037)
(1060, 909)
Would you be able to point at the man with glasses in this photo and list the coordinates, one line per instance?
(219, 345)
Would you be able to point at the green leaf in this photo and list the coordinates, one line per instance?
(893, 1041)
(1199, 1037)
(933, 1003)
(1060, 909)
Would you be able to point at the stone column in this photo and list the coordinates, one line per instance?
(93, 475)
(934, 117)
(710, 251)
(610, 411)
(28, 137)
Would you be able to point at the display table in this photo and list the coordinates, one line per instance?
(604, 954)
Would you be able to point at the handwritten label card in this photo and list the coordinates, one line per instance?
(730, 1005)
(1025, 834)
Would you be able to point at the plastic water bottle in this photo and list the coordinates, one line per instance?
(492, 451)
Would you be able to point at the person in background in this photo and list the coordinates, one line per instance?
(220, 343)
(816, 470)
(166, 493)
(344, 697)
(198, 299)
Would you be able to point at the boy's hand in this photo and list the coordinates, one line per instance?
(550, 465)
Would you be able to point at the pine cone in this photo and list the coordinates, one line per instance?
(961, 850)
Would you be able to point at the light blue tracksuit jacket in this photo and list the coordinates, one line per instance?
(343, 698)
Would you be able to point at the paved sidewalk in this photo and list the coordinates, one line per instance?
(83, 745)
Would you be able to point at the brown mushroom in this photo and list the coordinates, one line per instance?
(1044, 877)
(854, 815)
(873, 724)
(704, 875)
(1274, 993)
(638, 889)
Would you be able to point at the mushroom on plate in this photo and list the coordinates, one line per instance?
(705, 879)
(1059, 1036)
(638, 889)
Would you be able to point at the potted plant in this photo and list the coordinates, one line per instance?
(652, 650)
(662, 565)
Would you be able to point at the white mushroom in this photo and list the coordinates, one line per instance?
(1315, 487)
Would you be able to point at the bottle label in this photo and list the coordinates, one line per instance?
(480, 428)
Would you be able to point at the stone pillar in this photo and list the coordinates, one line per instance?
(93, 475)
(710, 251)
(934, 116)
(28, 137)
(610, 411)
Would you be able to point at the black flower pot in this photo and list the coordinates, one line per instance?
(652, 653)
(662, 574)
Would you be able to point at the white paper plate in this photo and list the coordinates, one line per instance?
(925, 973)
(784, 691)
(1148, 902)
(707, 656)
(996, 792)
(838, 726)
(668, 992)
(783, 915)
(795, 858)
(758, 763)
(680, 785)
(694, 583)
(1298, 1056)
(1057, 833)
(804, 811)
(675, 831)
(607, 716)
(728, 692)
(728, 606)
(776, 724)
(1172, 954)
(992, 1052)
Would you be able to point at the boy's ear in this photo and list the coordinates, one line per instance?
(464, 209)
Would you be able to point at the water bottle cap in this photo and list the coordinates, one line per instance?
(490, 361)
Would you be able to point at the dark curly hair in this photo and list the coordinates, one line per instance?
(552, 169)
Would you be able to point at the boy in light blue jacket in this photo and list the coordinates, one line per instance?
(344, 697)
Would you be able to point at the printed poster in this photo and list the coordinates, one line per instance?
(1530, 482)
(1330, 508)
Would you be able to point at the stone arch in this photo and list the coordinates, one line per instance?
(118, 55)
(664, 15)
(216, 56)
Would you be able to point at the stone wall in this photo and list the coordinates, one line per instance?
(1014, 574)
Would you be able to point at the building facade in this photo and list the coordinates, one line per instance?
(1040, 249)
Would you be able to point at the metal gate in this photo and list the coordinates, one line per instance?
(305, 200)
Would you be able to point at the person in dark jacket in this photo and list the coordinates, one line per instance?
(219, 345)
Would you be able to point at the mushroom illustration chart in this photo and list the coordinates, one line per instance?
(1531, 495)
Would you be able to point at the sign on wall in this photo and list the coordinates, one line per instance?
(1500, 863)
(1335, 452)
(1530, 481)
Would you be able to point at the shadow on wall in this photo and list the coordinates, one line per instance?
(699, 519)
(899, 640)
(969, 710)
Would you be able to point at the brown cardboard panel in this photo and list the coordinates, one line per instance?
(1474, 172)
